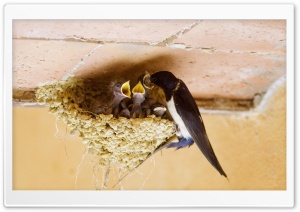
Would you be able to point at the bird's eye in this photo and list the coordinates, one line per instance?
(118, 85)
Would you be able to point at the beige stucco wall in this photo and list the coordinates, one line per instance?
(251, 146)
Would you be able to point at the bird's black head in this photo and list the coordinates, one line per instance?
(166, 80)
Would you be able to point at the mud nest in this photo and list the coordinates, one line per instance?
(124, 141)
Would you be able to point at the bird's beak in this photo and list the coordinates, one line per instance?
(139, 88)
(147, 82)
(125, 89)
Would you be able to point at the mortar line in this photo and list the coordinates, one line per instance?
(157, 44)
(70, 39)
(259, 109)
(251, 111)
(80, 63)
(212, 50)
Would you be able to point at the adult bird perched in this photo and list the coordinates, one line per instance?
(184, 111)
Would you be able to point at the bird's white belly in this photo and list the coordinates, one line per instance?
(183, 130)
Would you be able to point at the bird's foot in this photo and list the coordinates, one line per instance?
(183, 142)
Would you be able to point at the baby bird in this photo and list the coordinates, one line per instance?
(146, 106)
(120, 92)
(138, 96)
(117, 92)
(125, 107)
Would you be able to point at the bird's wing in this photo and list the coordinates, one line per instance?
(188, 110)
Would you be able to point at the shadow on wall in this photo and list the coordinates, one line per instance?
(123, 70)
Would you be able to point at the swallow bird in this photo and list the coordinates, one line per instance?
(138, 96)
(116, 92)
(146, 106)
(126, 106)
(185, 113)
(120, 92)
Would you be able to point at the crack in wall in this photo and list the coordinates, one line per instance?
(183, 31)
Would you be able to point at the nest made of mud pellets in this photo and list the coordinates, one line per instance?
(123, 141)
